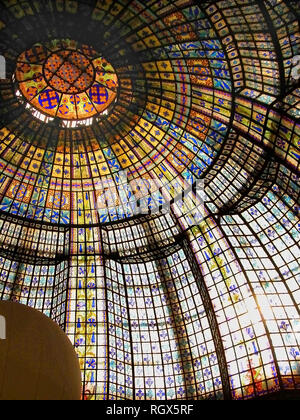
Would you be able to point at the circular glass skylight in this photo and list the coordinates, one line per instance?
(65, 80)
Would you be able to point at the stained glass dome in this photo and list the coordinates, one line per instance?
(109, 111)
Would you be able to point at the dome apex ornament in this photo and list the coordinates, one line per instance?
(66, 80)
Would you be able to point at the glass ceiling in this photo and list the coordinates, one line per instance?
(165, 93)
